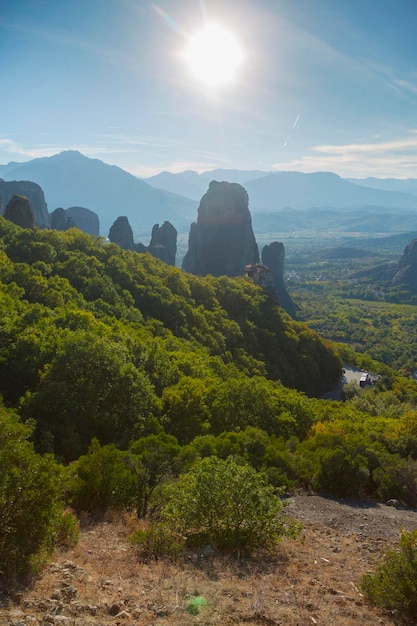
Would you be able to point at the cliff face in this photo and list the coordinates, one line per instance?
(32, 192)
(19, 211)
(273, 256)
(121, 233)
(84, 219)
(407, 268)
(222, 242)
(164, 242)
(77, 217)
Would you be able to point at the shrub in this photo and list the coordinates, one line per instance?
(228, 505)
(103, 481)
(31, 506)
(156, 542)
(393, 585)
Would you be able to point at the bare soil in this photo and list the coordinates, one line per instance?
(101, 581)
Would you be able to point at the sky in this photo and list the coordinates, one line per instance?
(323, 85)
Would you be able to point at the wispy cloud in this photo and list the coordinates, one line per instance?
(394, 158)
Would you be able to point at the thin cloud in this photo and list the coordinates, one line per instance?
(395, 158)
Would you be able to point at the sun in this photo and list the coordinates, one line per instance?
(214, 55)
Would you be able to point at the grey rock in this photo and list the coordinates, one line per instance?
(29, 190)
(19, 211)
(163, 244)
(273, 256)
(121, 233)
(222, 242)
(84, 219)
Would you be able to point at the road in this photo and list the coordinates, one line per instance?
(351, 374)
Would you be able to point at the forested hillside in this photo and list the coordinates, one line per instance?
(102, 342)
(120, 375)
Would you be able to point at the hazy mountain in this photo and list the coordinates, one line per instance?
(271, 191)
(194, 185)
(408, 185)
(321, 189)
(72, 179)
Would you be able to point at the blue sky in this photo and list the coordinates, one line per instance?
(326, 85)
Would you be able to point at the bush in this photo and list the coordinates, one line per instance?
(157, 542)
(228, 505)
(393, 585)
(103, 481)
(31, 506)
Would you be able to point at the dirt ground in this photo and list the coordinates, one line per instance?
(101, 581)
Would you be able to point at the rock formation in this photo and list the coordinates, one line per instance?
(19, 211)
(84, 219)
(59, 219)
(164, 242)
(121, 233)
(32, 192)
(273, 257)
(222, 242)
(75, 217)
(406, 272)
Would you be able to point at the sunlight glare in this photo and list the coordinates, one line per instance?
(214, 55)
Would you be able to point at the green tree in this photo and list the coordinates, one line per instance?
(31, 506)
(153, 459)
(226, 504)
(102, 480)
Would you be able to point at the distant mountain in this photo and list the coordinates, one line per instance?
(407, 185)
(320, 189)
(272, 191)
(194, 185)
(72, 179)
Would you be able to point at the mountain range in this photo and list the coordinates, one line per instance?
(272, 191)
(322, 199)
(72, 179)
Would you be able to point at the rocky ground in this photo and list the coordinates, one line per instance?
(102, 581)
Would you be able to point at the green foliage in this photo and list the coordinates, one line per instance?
(31, 506)
(96, 341)
(226, 504)
(102, 481)
(393, 585)
(154, 460)
(397, 478)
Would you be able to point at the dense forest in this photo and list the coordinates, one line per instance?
(119, 374)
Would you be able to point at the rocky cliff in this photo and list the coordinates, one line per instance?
(19, 211)
(164, 242)
(273, 256)
(406, 272)
(84, 219)
(121, 233)
(222, 242)
(77, 217)
(29, 190)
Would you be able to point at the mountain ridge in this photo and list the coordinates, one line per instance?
(73, 179)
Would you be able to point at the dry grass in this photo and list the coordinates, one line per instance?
(101, 582)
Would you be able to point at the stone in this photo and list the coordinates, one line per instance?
(19, 211)
(163, 243)
(222, 241)
(84, 219)
(406, 272)
(273, 257)
(59, 219)
(32, 192)
(121, 233)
